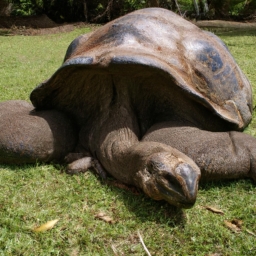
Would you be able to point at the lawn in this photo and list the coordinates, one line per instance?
(31, 195)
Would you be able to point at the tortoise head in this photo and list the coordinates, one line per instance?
(170, 178)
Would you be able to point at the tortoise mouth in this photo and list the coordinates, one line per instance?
(174, 197)
(179, 189)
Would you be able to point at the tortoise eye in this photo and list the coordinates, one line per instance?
(156, 166)
(151, 168)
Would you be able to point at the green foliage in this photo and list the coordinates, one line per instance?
(236, 9)
(58, 10)
(31, 195)
(73, 10)
(186, 6)
(230, 7)
(129, 5)
(24, 7)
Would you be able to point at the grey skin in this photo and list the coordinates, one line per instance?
(150, 99)
(27, 136)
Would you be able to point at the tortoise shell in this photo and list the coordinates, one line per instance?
(152, 40)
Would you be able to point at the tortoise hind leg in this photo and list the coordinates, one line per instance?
(219, 155)
(28, 135)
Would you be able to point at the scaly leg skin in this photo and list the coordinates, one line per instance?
(219, 155)
(159, 170)
(72, 157)
(28, 136)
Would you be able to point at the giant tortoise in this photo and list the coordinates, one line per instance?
(150, 98)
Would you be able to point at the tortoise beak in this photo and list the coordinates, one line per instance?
(179, 187)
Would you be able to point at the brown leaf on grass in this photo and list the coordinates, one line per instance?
(237, 222)
(236, 226)
(121, 185)
(103, 216)
(232, 227)
(214, 210)
(47, 226)
(63, 228)
(250, 232)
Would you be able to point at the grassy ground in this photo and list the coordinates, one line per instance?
(31, 195)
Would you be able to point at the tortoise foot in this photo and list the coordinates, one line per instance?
(79, 166)
(83, 164)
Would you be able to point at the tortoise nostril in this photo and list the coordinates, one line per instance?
(173, 182)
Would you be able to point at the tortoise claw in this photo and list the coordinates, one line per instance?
(99, 169)
(83, 164)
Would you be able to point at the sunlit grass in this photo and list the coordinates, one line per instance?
(31, 195)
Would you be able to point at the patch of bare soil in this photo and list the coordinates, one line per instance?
(226, 24)
(37, 25)
(42, 25)
(237, 23)
(22, 30)
(41, 21)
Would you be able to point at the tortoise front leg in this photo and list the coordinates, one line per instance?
(159, 170)
(219, 155)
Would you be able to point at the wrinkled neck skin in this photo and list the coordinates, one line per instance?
(113, 132)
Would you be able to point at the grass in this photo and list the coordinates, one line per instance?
(31, 195)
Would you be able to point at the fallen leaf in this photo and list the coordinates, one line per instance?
(214, 210)
(63, 228)
(237, 222)
(47, 226)
(250, 232)
(232, 227)
(104, 217)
